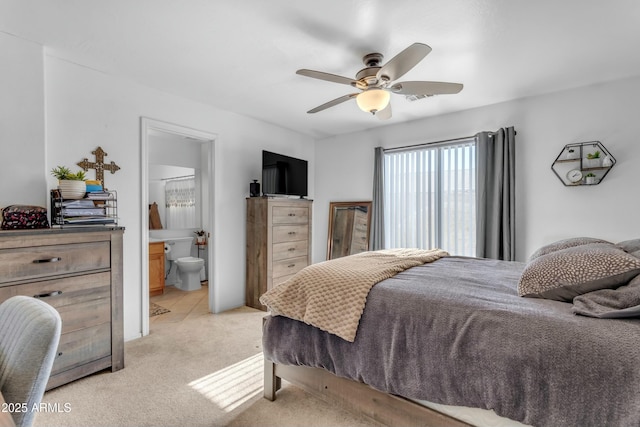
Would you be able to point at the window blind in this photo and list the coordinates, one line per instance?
(430, 197)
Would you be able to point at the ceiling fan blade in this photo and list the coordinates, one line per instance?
(332, 103)
(426, 88)
(326, 76)
(385, 113)
(403, 62)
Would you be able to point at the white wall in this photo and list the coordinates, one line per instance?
(174, 150)
(22, 160)
(86, 109)
(545, 209)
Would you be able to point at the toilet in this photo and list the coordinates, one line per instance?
(189, 268)
(189, 273)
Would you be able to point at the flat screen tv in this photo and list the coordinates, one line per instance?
(283, 175)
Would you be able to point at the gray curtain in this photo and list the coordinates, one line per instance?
(495, 228)
(377, 214)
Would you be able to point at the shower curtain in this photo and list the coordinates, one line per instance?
(181, 203)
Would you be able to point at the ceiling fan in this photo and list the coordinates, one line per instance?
(375, 82)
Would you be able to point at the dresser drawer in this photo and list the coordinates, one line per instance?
(6, 292)
(279, 280)
(45, 261)
(68, 290)
(82, 301)
(287, 267)
(84, 315)
(290, 233)
(286, 250)
(290, 215)
(82, 346)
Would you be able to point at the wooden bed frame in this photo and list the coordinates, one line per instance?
(357, 397)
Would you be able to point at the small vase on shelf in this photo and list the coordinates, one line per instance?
(590, 179)
(70, 189)
(71, 185)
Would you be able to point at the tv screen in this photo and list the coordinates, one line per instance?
(283, 175)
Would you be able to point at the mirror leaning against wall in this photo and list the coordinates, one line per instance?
(349, 225)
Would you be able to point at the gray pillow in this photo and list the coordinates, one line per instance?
(567, 273)
(629, 245)
(564, 244)
(610, 303)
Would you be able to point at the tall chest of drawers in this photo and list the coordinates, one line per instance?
(278, 243)
(79, 272)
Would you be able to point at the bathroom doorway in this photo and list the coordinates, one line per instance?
(169, 149)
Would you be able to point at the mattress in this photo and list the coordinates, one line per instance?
(455, 332)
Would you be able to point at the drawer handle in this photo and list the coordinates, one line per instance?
(59, 354)
(291, 233)
(292, 214)
(40, 261)
(291, 265)
(291, 249)
(48, 294)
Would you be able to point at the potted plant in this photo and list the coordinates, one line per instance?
(200, 237)
(593, 159)
(71, 185)
(590, 178)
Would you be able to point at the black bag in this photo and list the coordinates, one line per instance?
(20, 217)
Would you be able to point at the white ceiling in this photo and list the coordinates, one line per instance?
(242, 55)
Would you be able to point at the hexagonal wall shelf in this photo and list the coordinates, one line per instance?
(583, 163)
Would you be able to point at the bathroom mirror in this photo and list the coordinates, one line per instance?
(349, 224)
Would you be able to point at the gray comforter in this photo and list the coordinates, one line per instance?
(455, 332)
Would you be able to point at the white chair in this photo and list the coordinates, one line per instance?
(29, 336)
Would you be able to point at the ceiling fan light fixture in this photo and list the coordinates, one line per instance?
(376, 82)
(373, 100)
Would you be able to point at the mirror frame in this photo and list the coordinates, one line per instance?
(332, 206)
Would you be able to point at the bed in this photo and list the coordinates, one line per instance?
(457, 331)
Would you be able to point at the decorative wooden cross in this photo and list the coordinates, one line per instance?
(99, 164)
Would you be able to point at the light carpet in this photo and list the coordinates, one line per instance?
(203, 371)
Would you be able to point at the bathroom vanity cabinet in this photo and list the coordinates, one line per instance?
(156, 268)
(79, 272)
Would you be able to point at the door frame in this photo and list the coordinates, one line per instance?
(147, 125)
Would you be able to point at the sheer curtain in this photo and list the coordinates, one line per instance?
(181, 203)
(496, 194)
(430, 197)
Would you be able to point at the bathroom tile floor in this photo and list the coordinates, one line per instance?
(183, 304)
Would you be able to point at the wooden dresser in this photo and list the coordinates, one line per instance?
(156, 268)
(350, 233)
(278, 243)
(79, 272)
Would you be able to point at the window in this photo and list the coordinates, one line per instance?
(430, 197)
